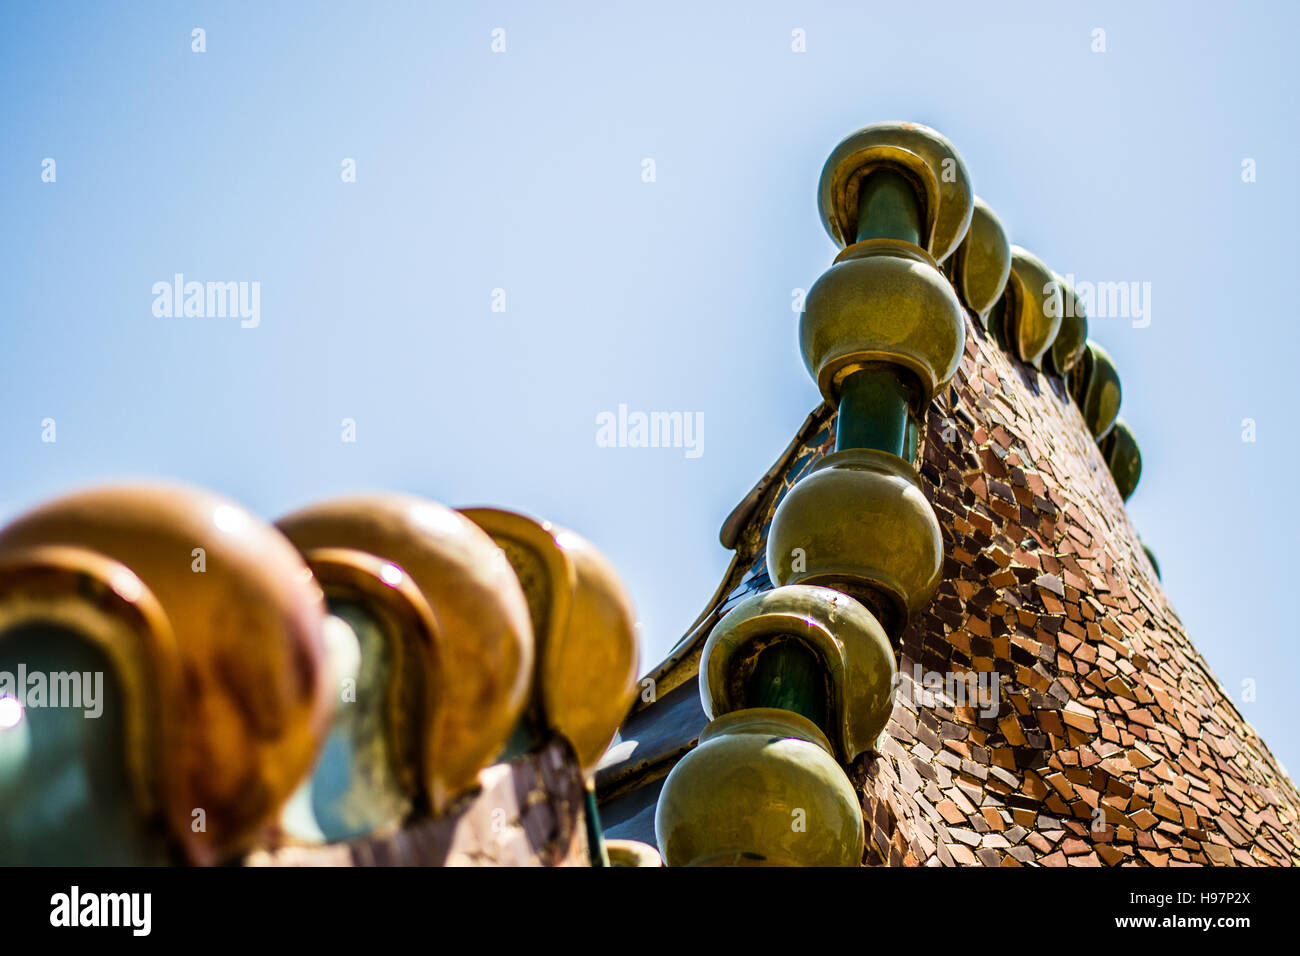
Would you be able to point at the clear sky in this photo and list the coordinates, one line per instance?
(524, 171)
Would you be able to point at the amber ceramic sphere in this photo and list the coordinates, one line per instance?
(1094, 383)
(1123, 458)
(246, 634)
(924, 156)
(983, 261)
(860, 518)
(483, 662)
(883, 301)
(761, 788)
(1034, 306)
(585, 628)
(1072, 337)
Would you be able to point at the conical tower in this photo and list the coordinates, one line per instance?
(941, 639)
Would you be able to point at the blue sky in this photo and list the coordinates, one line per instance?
(522, 171)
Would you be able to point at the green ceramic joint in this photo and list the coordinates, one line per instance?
(873, 411)
(888, 209)
(788, 676)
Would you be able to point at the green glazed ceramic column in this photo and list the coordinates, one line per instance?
(882, 332)
(873, 411)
